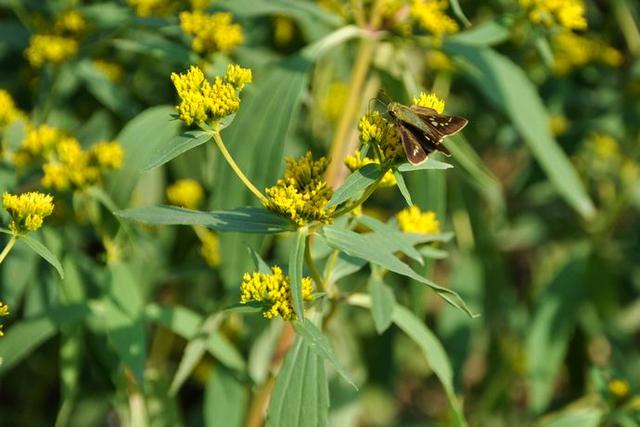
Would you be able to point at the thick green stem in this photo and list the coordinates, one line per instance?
(227, 156)
(7, 248)
(315, 274)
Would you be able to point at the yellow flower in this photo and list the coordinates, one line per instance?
(145, 8)
(573, 51)
(438, 60)
(283, 30)
(55, 176)
(569, 14)
(211, 33)
(354, 162)
(238, 76)
(333, 102)
(201, 101)
(187, 193)
(619, 388)
(604, 147)
(430, 100)
(8, 110)
(4, 311)
(210, 249)
(70, 22)
(112, 70)
(375, 128)
(430, 16)
(27, 210)
(47, 48)
(558, 124)
(41, 140)
(413, 220)
(108, 154)
(302, 195)
(275, 291)
(199, 4)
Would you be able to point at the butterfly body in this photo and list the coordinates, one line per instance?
(423, 129)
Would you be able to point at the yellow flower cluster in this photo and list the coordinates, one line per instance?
(355, 162)
(618, 388)
(569, 14)
(70, 23)
(187, 193)
(40, 140)
(50, 48)
(430, 100)
(27, 210)
(275, 291)
(146, 8)
(108, 154)
(283, 30)
(211, 33)
(9, 113)
(112, 70)
(4, 311)
(202, 101)
(302, 195)
(574, 51)
(558, 123)
(210, 249)
(430, 16)
(413, 220)
(375, 128)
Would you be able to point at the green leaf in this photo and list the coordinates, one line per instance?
(225, 399)
(258, 262)
(42, 250)
(344, 266)
(428, 164)
(550, 330)
(113, 96)
(487, 34)
(296, 266)
(396, 239)
(242, 220)
(176, 146)
(156, 46)
(377, 252)
(507, 86)
(382, 303)
(301, 392)
(402, 186)
(319, 344)
(356, 183)
(139, 138)
(27, 334)
(457, 10)
(583, 417)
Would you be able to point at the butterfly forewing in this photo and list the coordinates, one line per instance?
(442, 124)
(414, 150)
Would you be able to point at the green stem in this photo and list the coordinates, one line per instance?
(315, 274)
(7, 248)
(227, 156)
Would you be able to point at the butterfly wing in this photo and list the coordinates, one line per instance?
(440, 125)
(414, 150)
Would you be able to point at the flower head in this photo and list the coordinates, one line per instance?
(70, 23)
(302, 195)
(4, 311)
(49, 48)
(413, 220)
(573, 51)
(275, 291)
(69, 164)
(375, 128)
(8, 110)
(210, 249)
(145, 8)
(187, 193)
(430, 16)
(619, 388)
(430, 100)
(355, 162)
(211, 33)
(112, 70)
(108, 154)
(27, 210)
(569, 14)
(202, 101)
(41, 140)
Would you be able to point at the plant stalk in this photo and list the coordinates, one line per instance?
(7, 248)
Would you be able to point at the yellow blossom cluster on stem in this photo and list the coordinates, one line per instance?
(210, 249)
(205, 102)
(4, 311)
(50, 48)
(108, 154)
(113, 71)
(302, 194)
(146, 8)
(70, 23)
(573, 51)
(414, 220)
(211, 32)
(569, 14)
(274, 290)
(430, 16)
(9, 113)
(429, 100)
(618, 388)
(27, 210)
(355, 162)
(376, 129)
(186, 193)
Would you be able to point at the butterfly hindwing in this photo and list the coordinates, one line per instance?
(443, 125)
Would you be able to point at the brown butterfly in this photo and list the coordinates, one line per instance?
(423, 129)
